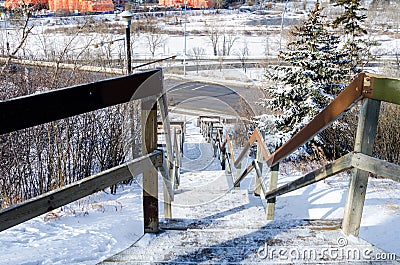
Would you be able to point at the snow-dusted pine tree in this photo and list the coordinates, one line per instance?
(307, 81)
(356, 44)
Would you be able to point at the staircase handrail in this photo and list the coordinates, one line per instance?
(371, 89)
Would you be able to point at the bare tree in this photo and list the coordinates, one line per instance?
(24, 28)
(197, 53)
(39, 159)
(219, 4)
(229, 39)
(243, 53)
(213, 34)
(155, 40)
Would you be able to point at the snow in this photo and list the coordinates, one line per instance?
(326, 200)
(85, 232)
(101, 225)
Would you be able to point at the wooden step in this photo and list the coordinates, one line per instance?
(190, 224)
(202, 242)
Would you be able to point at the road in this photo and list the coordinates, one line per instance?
(212, 99)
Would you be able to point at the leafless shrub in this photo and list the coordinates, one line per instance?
(39, 159)
(197, 53)
(155, 40)
(387, 142)
(213, 34)
(340, 137)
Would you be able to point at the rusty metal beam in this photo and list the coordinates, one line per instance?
(23, 112)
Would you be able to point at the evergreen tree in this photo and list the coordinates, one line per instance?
(352, 23)
(308, 80)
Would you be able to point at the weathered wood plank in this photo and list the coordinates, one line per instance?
(23, 112)
(177, 161)
(231, 158)
(256, 136)
(167, 178)
(365, 138)
(259, 177)
(382, 88)
(230, 147)
(162, 102)
(150, 177)
(330, 169)
(259, 162)
(164, 170)
(273, 183)
(238, 170)
(376, 166)
(244, 174)
(34, 207)
(167, 189)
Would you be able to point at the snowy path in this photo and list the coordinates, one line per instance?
(215, 224)
(99, 226)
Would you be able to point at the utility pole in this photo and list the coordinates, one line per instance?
(184, 47)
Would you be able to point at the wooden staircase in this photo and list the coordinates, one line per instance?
(215, 223)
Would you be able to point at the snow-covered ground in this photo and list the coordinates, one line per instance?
(256, 35)
(326, 200)
(96, 227)
(101, 225)
(84, 232)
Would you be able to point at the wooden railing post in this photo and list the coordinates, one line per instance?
(223, 158)
(168, 176)
(228, 158)
(364, 143)
(215, 143)
(150, 177)
(273, 183)
(259, 158)
(238, 168)
(177, 160)
(211, 132)
(182, 139)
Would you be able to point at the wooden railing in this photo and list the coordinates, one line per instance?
(368, 88)
(24, 112)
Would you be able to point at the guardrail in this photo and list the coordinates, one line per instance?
(368, 88)
(28, 111)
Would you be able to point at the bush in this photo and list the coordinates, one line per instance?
(42, 158)
(340, 137)
(387, 142)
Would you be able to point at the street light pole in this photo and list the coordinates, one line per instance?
(283, 18)
(127, 18)
(184, 49)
